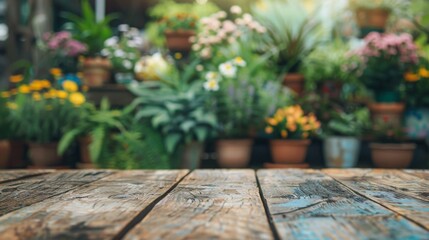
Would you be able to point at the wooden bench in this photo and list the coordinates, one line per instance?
(214, 204)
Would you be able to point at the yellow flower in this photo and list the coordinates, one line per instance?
(272, 121)
(5, 94)
(307, 127)
(56, 72)
(292, 127)
(36, 85)
(284, 133)
(424, 72)
(77, 98)
(70, 86)
(12, 105)
(36, 96)
(61, 94)
(268, 130)
(239, 62)
(178, 55)
(45, 83)
(24, 89)
(305, 135)
(411, 77)
(16, 78)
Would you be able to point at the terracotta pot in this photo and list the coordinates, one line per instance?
(234, 153)
(392, 155)
(387, 112)
(289, 151)
(178, 41)
(373, 18)
(17, 154)
(44, 155)
(191, 155)
(84, 143)
(294, 81)
(4, 153)
(341, 152)
(96, 71)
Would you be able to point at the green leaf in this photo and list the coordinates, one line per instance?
(201, 133)
(67, 139)
(187, 125)
(160, 119)
(149, 111)
(98, 138)
(171, 141)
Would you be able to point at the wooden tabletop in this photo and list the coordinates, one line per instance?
(215, 204)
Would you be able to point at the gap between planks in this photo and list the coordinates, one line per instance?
(16, 175)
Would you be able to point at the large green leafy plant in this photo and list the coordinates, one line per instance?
(87, 30)
(348, 124)
(99, 125)
(294, 31)
(176, 107)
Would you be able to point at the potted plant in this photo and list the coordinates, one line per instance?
(39, 113)
(326, 69)
(294, 32)
(290, 129)
(93, 130)
(63, 51)
(95, 68)
(176, 107)
(123, 52)
(374, 15)
(178, 30)
(385, 58)
(389, 148)
(341, 142)
(417, 101)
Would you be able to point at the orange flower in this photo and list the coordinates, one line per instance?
(5, 94)
(56, 72)
(268, 130)
(16, 78)
(24, 89)
(424, 72)
(284, 133)
(411, 77)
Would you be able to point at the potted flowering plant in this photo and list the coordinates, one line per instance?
(177, 107)
(178, 30)
(123, 52)
(4, 131)
(95, 68)
(389, 148)
(63, 50)
(294, 32)
(417, 100)
(384, 59)
(341, 142)
(40, 114)
(290, 128)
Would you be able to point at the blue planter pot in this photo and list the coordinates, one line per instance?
(341, 152)
(417, 123)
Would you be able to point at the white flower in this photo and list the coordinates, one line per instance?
(206, 53)
(235, 10)
(212, 76)
(199, 68)
(119, 53)
(111, 41)
(105, 52)
(127, 64)
(228, 69)
(211, 85)
(123, 28)
(239, 62)
(221, 14)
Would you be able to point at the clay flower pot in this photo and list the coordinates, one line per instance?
(387, 112)
(294, 81)
(372, 18)
(96, 71)
(17, 154)
(234, 153)
(289, 151)
(341, 152)
(392, 155)
(178, 41)
(44, 155)
(4, 153)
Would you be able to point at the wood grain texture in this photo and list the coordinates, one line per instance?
(208, 204)
(419, 173)
(403, 193)
(99, 210)
(307, 204)
(22, 193)
(11, 175)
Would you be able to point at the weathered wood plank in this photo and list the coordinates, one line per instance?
(11, 175)
(419, 173)
(99, 210)
(22, 193)
(400, 192)
(307, 204)
(208, 204)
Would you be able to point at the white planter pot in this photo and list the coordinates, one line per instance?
(341, 152)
